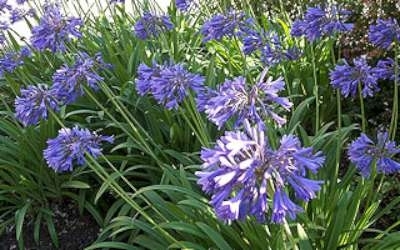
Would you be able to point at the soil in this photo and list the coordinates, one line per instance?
(74, 231)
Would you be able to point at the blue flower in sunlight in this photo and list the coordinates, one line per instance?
(34, 104)
(172, 85)
(151, 26)
(319, 22)
(71, 145)
(363, 152)
(242, 173)
(222, 25)
(54, 30)
(234, 98)
(384, 33)
(3, 27)
(346, 78)
(68, 81)
(385, 69)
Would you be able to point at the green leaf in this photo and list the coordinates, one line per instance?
(19, 219)
(75, 184)
(214, 236)
(112, 245)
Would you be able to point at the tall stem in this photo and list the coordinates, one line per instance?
(395, 108)
(315, 90)
(363, 120)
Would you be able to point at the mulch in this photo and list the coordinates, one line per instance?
(74, 231)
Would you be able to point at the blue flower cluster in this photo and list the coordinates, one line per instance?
(347, 78)
(385, 33)
(235, 98)
(321, 22)
(68, 81)
(363, 153)
(150, 26)
(169, 85)
(222, 25)
(54, 30)
(11, 60)
(35, 101)
(243, 174)
(183, 5)
(267, 42)
(71, 145)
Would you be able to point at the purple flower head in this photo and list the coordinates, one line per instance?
(172, 85)
(144, 82)
(4, 6)
(222, 25)
(34, 103)
(21, 1)
(242, 173)
(346, 78)
(152, 26)
(183, 5)
(385, 69)
(54, 30)
(68, 80)
(363, 152)
(319, 22)
(236, 98)
(384, 33)
(71, 145)
(18, 14)
(117, 1)
(11, 60)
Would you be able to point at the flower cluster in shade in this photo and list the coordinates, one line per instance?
(267, 42)
(35, 102)
(384, 33)
(246, 177)
(222, 25)
(11, 60)
(55, 30)
(169, 84)
(347, 77)
(385, 69)
(363, 153)
(150, 26)
(236, 98)
(321, 22)
(71, 145)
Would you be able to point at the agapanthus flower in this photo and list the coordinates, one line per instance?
(235, 98)
(168, 84)
(3, 27)
(71, 145)
(267, 42)
(34, 104)
(222, 25)
(183, 5)
(117, 1)
(384, 33)
(11, 60)
(18, 14)
(363, 152)
(385, 69)
(21, 1)
(347, 77)
(4, 6)
(319, 22)
(151, 25)
(68, 81)
(54, 30)
(143, 81)
(242, 173)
